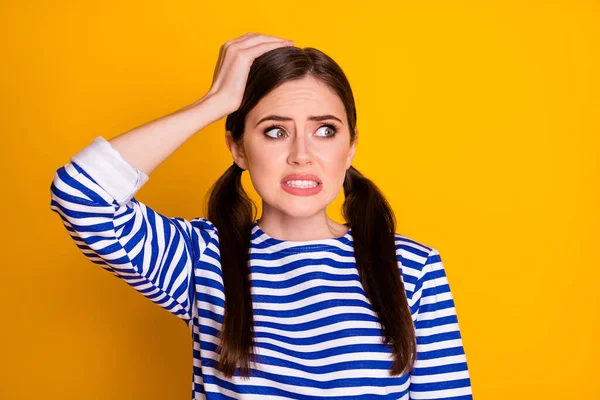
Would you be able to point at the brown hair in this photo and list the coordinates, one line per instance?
(365, 208)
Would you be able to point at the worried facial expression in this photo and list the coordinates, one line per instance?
(296, 147)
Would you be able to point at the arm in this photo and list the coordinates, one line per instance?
(154, 254)
(94, 196)
(147, 146)
(440, 370)
(94, 193)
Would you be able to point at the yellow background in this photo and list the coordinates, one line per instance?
(479, 121)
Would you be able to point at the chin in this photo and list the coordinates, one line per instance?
(299, 207)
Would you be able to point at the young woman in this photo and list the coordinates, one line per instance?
(293, 305)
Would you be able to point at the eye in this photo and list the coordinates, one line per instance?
(329, 130)
(279, 132)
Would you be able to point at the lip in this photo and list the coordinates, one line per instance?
(301, 177)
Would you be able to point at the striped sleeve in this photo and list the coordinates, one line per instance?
(94, 197)
(440, 371)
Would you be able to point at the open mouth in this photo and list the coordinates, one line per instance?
(302, 184)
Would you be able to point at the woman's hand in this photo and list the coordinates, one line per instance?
(232, 69)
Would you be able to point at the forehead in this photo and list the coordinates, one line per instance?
(298, 99)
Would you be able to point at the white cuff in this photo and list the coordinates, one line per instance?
(110, 170)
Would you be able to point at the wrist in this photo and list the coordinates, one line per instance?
(214, 104)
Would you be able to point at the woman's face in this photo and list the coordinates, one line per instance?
(299, 128)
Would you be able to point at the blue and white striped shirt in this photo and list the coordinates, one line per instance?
(315, 331)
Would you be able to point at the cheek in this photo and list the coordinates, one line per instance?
(333, 170)
(265, 167)
(334, 164)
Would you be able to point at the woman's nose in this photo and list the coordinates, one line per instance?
(299, 151)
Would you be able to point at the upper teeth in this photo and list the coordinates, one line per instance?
(302, 184)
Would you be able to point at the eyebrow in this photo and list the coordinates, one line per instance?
(311, 118)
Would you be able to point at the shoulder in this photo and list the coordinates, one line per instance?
(412, 254)
(200, 230)
(413, 257)
(204, 224)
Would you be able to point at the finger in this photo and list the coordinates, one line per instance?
(222, 50)
(240, 38)
(258, 39)
(256, 51)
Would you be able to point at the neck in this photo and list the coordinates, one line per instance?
(287, 227)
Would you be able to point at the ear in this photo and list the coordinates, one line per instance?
(239, 156)
(352, 150)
